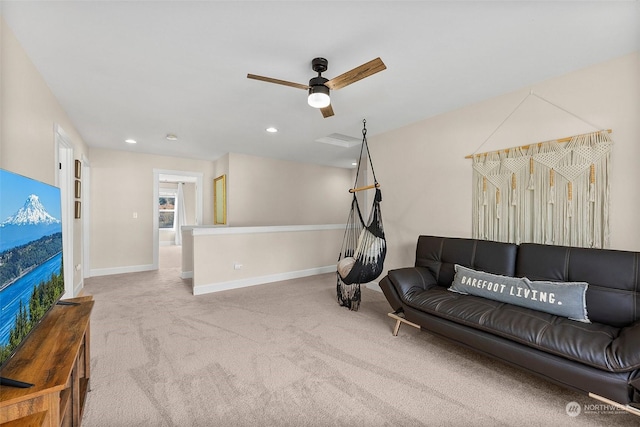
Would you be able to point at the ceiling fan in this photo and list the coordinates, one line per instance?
(319, 86)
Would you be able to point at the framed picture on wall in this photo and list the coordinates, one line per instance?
(220, 200)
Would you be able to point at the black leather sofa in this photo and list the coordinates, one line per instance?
(601, 358)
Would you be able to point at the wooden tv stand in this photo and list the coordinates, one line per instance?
(55, 358)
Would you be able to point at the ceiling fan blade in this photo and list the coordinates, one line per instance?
(327, 111)
(276, 81)
(358, 73)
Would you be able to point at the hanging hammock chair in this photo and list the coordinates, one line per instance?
(364, 246)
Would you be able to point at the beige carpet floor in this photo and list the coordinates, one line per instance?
(285, 354)
(170, 256)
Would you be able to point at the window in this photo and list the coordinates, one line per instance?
(167, 210)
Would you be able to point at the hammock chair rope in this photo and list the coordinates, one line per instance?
(364, 248)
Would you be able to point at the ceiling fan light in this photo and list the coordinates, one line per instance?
(319, 96)
(319, 100)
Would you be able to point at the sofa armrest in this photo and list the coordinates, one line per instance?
(410, 280)
(625, 350)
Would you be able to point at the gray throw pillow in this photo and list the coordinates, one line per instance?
(566, 299)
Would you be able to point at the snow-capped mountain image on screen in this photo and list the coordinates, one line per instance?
(25, 214)
(31, 274)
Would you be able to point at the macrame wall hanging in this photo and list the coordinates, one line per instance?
(554, 192)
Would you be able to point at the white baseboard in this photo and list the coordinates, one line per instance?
(186, 275)
(78, 287)
(122, 270)
(260, 280)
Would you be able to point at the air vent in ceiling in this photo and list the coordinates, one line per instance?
(340, 140)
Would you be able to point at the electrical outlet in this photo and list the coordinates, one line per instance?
(135, 215)
(237, 266)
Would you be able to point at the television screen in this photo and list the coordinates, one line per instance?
(31, 279)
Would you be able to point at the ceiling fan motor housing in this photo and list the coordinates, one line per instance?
(317, 85)
(318, 81)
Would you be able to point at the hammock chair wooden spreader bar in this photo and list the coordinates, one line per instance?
(368, 187)
(364, 245)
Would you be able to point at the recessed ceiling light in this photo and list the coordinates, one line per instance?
(172, 137)
(271, 129)
(130, 141)
(354, 164)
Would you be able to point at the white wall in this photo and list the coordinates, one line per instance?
(121, 184)
(28, 115)
(260, 192)
(427, 181)
(264, 191)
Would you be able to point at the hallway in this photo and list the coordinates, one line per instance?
(169, 257)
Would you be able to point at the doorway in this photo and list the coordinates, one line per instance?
(64, 176)
(166, 183)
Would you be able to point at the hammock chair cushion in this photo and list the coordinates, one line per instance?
(363, 272)
(345, 265)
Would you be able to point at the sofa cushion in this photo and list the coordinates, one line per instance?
(601, 346)
(440, 254)
(613, 297)
(566, 299)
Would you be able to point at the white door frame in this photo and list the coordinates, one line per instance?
(156, 193)
(64, 166)
(86, 215)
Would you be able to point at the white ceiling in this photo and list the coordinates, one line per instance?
(125, 69)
